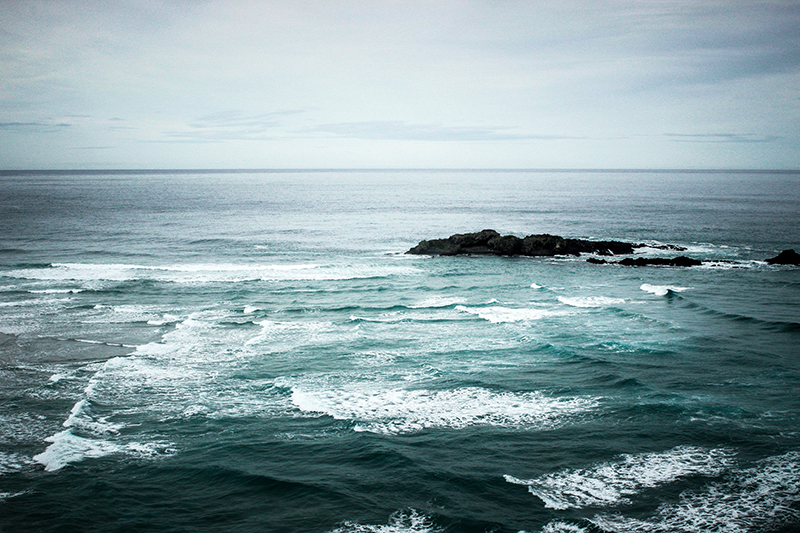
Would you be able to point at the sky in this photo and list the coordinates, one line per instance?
(138, 84)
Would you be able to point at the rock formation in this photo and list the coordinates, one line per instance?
(786, 257)
(492, 243)
(680, 261)
(489, 242)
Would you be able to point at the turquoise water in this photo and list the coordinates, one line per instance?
(254, 352)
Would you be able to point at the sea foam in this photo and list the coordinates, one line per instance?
(395, 410)
(210, 272)
(400, 522)
(761, 498)
(13, 462)
(661, 290)
(67, 448)
(563, 527)
(614, 482)
(438, 301)
(590, 301)
(499, 314)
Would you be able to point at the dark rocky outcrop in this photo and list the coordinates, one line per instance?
(490, 242)
(680, 261)
(786, 257)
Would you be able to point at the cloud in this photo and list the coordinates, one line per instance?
(721, 137)
(232, 125)
(93, 147)
(33, 126)
(397, 130)
(207, 77)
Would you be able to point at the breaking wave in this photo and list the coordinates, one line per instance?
(396, 410)
(760, 498)
(662, 290)
(498, 314)
(590, 301)
(400, 522)
(613, 483)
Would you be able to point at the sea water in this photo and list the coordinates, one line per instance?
(254, 351)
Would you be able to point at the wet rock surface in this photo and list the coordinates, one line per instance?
(491, 242)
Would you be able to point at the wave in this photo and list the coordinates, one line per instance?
(129, 314)
(36, 301)
(498, 314)
(86, 436)
(761, 498)
(731, 265)
(6, 495)
(613, 483)
(56, 291)
(146, 382)
(13, 462)
(394, 410)
(397, 318)
(662, 290)
(183, 375)
(33, 265)
(209, 273)
(272, 330)
(774, 325)
(590, 301)
(438, 302)
(400, 522)
(102, 343)
(563, 527)
(67, 447)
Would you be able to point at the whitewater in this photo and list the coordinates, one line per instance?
(255, 351)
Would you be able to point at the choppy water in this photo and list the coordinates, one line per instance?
(254, 352)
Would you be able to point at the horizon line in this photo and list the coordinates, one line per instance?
(122, 171)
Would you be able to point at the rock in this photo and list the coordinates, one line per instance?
(490, 242)
(670, 247)
(474, 243)
(680, 261)
(786, 257)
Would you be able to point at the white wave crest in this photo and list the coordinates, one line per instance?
(762, 498)
(38, 302)
(88, 437)
(498, 314)
(661, 290)
(209, 272)
(395, 410)
(56, 291)
(590, 301)
(438, 301)
(400, 522)
(68, 448)
(613, 483)
(6, 495)
(273, 332)
(563, 527)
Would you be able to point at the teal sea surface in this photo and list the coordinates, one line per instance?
(254, 352)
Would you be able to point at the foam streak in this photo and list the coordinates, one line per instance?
(613, 483)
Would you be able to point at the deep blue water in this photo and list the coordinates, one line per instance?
(246, 352)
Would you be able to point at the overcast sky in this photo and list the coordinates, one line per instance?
(400, 84)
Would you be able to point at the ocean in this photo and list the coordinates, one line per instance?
(187, 351)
